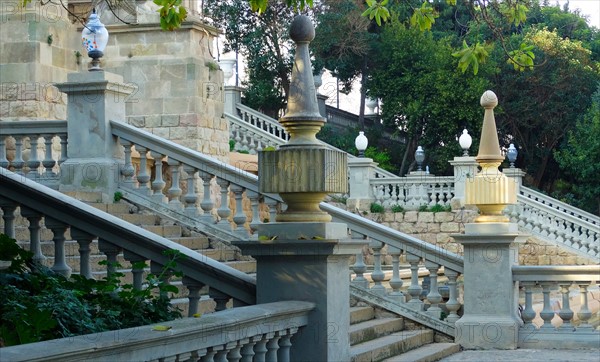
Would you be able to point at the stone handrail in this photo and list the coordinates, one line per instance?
(262, 121)
(559, 206)
(248, 138)
(411, 192)
(114, 235)
(548, 222)
(42, 170)
(548, 278)
(254, 333)
(243, 184)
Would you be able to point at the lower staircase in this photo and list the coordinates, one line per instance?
(377, 335)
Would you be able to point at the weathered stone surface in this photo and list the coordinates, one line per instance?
(411, 216)
(425, 217)
(443, 216)
(449, 227)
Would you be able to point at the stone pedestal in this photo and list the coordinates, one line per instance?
(308, 262)
(360, 171)
(465, 167)
(515, 174)
(490, 297)
(233, 96)
(95, 99)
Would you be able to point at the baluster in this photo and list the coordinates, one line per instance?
(207, 204)
(175, 191)
(48, 161)
(537, 222)
(63, 149)
(220, 298)
(584, 313)
(259, 143)
(377, 275)
(3, 159)
(18, 162)
(84, 240)
(190, 197)
(244, 146)
(359, 266)
(434, 297)
(415, 289)
(8, 215)
(223, 211)
(210, 354)
(552, 228)
(255, 203)
(127, 170)
(193, 288)
(252, 143)
(452, 304)
(143, 177)
(138, 263)
(35, 247)
(111, 251)
(565, 313)
(545, 225)
(396, 282)
(234, 353)
(240, 217)
(528, 314)
(158, 184)
(272, 347)
(547, 313)
(272, 204)
(34, 162)
(285, 345)
(158, 270)
(59, 229)
(247, 351)
(238, 137)
(260, 351)
(222, 354)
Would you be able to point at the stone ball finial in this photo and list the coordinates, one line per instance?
(489, 99)
(302, 29)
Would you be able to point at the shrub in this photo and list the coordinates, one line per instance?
(37, 304)
(231, 145)
(423, 208)
(376, 208)
(440, 208)
(397, 208)
(118, 196)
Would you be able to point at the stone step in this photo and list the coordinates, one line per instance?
(427, 353)
(374, 328)
(193, 242)
(115, 209)
(167, 231)
(141, 219)
(361, 314)
(392, 345)
(245, 266)
(86, 196)
(219, 254)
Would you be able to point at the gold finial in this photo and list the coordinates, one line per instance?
(491, 191)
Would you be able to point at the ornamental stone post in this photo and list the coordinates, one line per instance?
(303, 256)
(490, 250)
(95, 99)
(465, 167)
(361, 170)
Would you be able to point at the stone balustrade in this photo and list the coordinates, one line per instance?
(19, 139)
(65, 217)
(572, 326)
(250, 139)
(260, 121)
(255, 333)
(413, 192)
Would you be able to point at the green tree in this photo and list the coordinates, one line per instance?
(424, 95)
(579, 158)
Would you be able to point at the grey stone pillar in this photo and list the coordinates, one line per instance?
(94, 99)
(515, 174)
(321, 98)
(308, 262)
(233, 96)
(490, 318)
(360, 171)
(465, 167)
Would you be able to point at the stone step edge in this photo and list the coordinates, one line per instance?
(427, 353)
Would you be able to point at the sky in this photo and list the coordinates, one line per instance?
(587, 7)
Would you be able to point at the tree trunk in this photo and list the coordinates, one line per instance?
(405, 156)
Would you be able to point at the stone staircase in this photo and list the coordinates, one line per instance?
(377, 335)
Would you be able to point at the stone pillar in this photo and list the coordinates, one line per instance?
(490, 318)
(361, 170)
(321, 99)
(515, 174)
(233, 96)
(465, 167)
(303, 256)
(94, 99)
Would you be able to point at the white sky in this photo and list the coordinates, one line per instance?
(587, 7)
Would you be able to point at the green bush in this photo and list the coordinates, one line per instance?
(231, 145)
(376, 208)
(397, 208)
(423, 208)
(440, 208)
(37, 304)
(118, 196)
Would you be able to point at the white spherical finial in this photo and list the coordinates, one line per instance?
(489, 99)
(465, 140)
